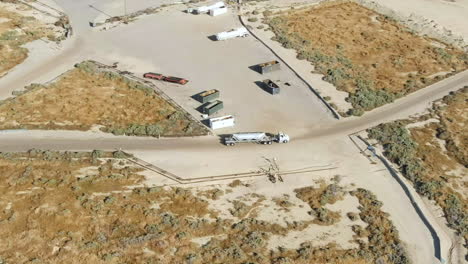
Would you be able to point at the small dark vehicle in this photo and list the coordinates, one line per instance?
(152, 75)
(175, 80)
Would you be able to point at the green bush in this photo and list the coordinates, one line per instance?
(252, 19)
(154, 130)
(86, 66)
(456, 215)
(367, 99)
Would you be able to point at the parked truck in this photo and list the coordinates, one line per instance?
(160, 77)
(255, 137)
(154, 76)
(234, 33)
(206, 9)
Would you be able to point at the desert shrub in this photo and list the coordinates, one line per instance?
(154, 130)
(267, 13)
(383, 237)
(430, 189)
(352, 216)
(117, 131)
(260, 27)
(177, 115)
(86, 66)
(325, 216)
(399, 147)
(255, 12)
(137, 130)
(95, 155)
(252, 19)
(112, 75)
(367, 99)
(456, 215)
(356, 112)
(119, 154)
(327, 98)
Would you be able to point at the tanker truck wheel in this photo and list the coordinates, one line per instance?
(285, 141)
(269, 142)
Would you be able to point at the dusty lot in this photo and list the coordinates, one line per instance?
(85, 98)
(58, 206)
(20, 24)
(432, 152)
(368, 55)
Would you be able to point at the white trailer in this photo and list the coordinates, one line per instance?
(255, 137)
(234, 33)
(222, 122)
(218, 11)
(205, 9)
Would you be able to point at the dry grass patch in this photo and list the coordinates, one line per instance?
(16, 30)
(364, 53)
(58, 207)
(317, 198)
(85, 97)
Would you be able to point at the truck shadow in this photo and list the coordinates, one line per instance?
(262, 86)
(196, 97)
(212, 38)
(221, 138)
(255, 68)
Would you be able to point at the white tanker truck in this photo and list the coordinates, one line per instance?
(255, 137)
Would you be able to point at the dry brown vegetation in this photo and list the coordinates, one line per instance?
(364, 53)
(77, 207)
(17, 30)
(317, 198)
(435, 155)
(85, 97)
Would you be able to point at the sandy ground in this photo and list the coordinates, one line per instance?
(448, 14)
(197, 58)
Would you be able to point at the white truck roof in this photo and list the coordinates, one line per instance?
(204, 9)
(232, 33)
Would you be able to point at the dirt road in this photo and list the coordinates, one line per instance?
(320, 140)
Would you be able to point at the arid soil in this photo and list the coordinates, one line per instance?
(435, 155)
(17, 29)
(86, 207)
(364, 53)
(85, 97)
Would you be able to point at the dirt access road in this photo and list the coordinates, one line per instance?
(318, 139)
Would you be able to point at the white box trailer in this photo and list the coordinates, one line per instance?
(222, 122)
(218, 11)
(234, 33)
(205, 9)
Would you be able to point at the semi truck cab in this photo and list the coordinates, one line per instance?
(283, 138)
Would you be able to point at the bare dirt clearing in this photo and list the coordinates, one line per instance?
(85, 97)
(432, 152)
(79, 207)
(366, 54)
(19, 25)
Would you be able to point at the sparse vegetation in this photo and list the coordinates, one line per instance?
(81, 201)
(364, 53)
(318, 197)
(432, 168)
(17, 30)
(125, 107)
